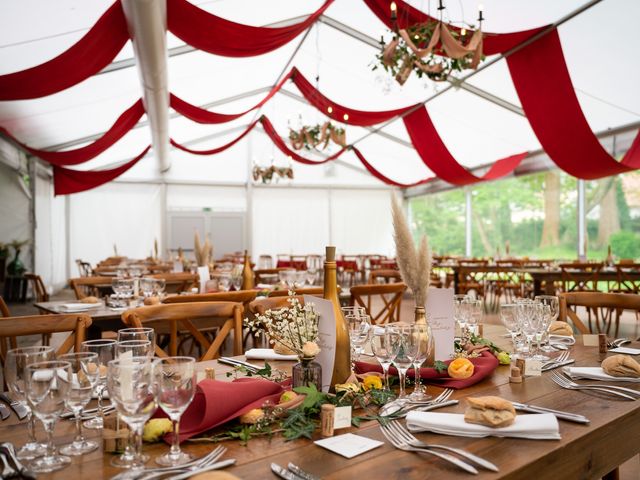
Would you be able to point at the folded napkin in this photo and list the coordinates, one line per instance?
(484, 365)
(77, 307)
(596, 373)
(565, 339)
(267, 354)
(543, 426)
(218, 402)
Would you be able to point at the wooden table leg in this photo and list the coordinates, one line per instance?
(612, 475)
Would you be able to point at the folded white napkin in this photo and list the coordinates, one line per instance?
(267, 354)
(543, 426)
(77, 307)
(566, 339)
(596, 373)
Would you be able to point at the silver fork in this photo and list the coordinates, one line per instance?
(147, 473)
(400, 444)
(569, 385)
(442, 398)
(630, 391)
(559, 359)
(412, 440)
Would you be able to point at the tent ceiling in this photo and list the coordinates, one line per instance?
(339, 49)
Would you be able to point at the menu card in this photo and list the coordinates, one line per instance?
(326, 337)
(439, 309)
(204, 276)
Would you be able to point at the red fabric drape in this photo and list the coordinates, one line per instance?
(383, 177)
(125, 122)
(282, 146)
(213, 151)
(67, 181)
(94, 51)
(216, 35)
(435, 154)
(201, 115)
(493, 43)
(322, 103)
(541, 78)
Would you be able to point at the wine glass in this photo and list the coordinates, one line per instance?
(312, 276)
(420, 346)
(224, 281)
(134, 348)
(159, 285)
(138, 333)
(405, 353)
(554, 307)
(458, 311)
(15, 377)
(543, 320)
(473, 312)
(106, 351)
(359, 333)
(84, 377)
(48, 384)
(176, 386)
(132, 391)
(384, 350)
(508, 317)
(527, 322)
(147, 286)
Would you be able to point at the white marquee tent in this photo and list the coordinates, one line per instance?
(480, 120)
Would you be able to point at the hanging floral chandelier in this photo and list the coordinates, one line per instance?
(317, 136)
(267, 174)
(419, 48)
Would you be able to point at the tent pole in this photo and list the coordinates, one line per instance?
(582, 231)
(467, 225)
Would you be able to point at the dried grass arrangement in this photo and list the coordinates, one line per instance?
(203, 253)
(414, 263)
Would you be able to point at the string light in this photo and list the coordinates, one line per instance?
(330, 109)
(394, 11)
(345, 117)
(463, 32)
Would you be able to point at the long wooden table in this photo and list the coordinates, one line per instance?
(585, 451)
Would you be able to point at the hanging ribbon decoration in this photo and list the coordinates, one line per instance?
(94, 51)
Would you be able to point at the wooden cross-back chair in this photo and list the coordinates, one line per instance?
(381, 301)
(89, 286)
(192, 318)
(37, 285)
(580, 277)
(624, 282)
(12, 327)
(84, 268)
(177, 282)
(604, 308)
(470, 279)
(315, 291)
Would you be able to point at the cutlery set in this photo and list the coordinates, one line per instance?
(292, 472)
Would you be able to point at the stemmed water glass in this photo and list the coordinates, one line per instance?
(140, 334)
(106, 351)
(84, 377)
(359, 333)
(147, 286)
(134, 348)
(384, 350)
(15, 377)
(421, 345)
(528, 322)
(554, 308)
(176, 386)
(312, 276)
(472, 310)
(405, 353)
(543, 320)
(509, 318)
(132, 391)
(48, 384)
(159, 285)
(458, 312)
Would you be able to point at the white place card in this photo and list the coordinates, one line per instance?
(590, 340)
(326, 337)
(532, 368)
(342, 417)
(204, 276)
(178, 267)
(627, 350)
(439, 310)
(349, 445)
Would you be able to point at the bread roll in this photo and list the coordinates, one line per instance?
(282, 350)
(90, 300)
(560, 328)
(152, 301)
(492, 412)
(621, 366)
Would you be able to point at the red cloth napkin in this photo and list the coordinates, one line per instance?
(484, 365)
(218, 402)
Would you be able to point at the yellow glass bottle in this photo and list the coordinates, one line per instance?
(342, 362)
(247, 273)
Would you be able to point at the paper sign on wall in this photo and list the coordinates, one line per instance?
(439, 311)
(326, 337)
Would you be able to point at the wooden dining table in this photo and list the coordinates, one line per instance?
(584, 452)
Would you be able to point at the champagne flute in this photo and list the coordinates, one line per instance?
(132, 391)
(83, 379)
(405, 352)
(106, 351)
(48, 384)
(554, 307)
(383, 350)
(543, 320)
(421, 343)
(508, 317)
(176, 385)
(15, 377)
(458, 311)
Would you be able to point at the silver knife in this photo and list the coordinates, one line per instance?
(234, 362)
(301, 473)
(570, 417)
(20, 410)
(4, 411)
(284, 473)
(551, 366)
